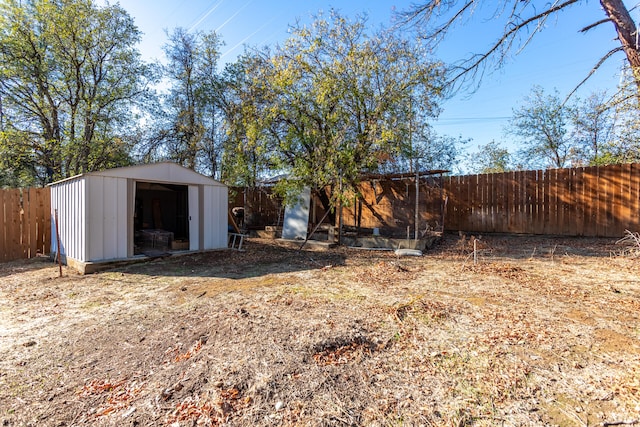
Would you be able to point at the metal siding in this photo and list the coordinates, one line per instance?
(95, 230)
(160, 172)
(216, 217)
(78, 226)
(93, 211)
(221, 223)
(68, 199)
(194, 221)
(54, 204)
(110, 221)
(122, 215)
(109, 218)
(209, 217)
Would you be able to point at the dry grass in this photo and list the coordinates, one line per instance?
(539, 332)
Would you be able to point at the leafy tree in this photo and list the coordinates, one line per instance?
(188, 128)
(624, 145)
(593, 129)
(490, 158)
(336, 101)
(71, 74)
(427, 150)
(245, 101)
(541, 124)
(521, 20)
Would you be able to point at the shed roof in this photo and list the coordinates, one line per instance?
(167, 172)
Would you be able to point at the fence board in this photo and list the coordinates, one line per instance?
(590, 208)
(602, 202)
(3, 218)
(578, 200)
(589, 201)
(549, 201)
(564, 201)
(491, 211)
(507, 191)
(482, 204)
(459, 205)
(25, 230)
(32, 222)
(521, 216)
(634, 203)
(472, 199)
(621, 186)
(15, 250)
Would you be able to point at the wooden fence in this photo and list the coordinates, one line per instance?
(588, 201)
(390, 206)
(25, 230)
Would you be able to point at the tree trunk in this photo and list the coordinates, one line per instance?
(326, 203)
(627, 33)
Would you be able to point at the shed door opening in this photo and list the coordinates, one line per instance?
(161, 218)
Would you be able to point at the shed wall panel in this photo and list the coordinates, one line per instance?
(122, 215)
(68, 199)
(95, 210)
(107, 218)
(109, 214)
(95, 235)
(215, 221)
(194, 218)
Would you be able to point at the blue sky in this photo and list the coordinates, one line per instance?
(559, 57)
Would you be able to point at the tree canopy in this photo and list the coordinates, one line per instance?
(70, 76)
(335, 101)
(187, 122)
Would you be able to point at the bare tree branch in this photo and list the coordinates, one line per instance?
(507, 37)
(523, 22)
(595, 24)
(593, 70)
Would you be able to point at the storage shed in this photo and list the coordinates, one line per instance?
(137, 211)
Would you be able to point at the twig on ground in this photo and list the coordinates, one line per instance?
(632, 240)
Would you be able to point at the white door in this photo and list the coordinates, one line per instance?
(194, 220)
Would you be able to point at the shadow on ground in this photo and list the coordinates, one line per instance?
(257, 259)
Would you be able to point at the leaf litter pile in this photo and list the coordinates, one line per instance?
(536, 332)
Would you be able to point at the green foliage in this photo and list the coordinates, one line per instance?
(490, 158)
(599, 130)
(189, 126)
(333, 102)
(593, 129)
(70, 75)
(624, 144)
(541, 124)
(246, 105)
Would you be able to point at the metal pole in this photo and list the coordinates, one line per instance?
(58, 243)
(417, 212)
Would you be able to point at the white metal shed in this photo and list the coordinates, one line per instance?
(125, 213)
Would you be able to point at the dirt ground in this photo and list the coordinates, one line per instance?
(540, 331)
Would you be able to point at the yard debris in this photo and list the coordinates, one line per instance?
(195, 348)
(280, 340)
(631, 241)
(408, 252)
(342, 351)
(115, 395)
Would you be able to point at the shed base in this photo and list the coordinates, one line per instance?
(90, 267)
